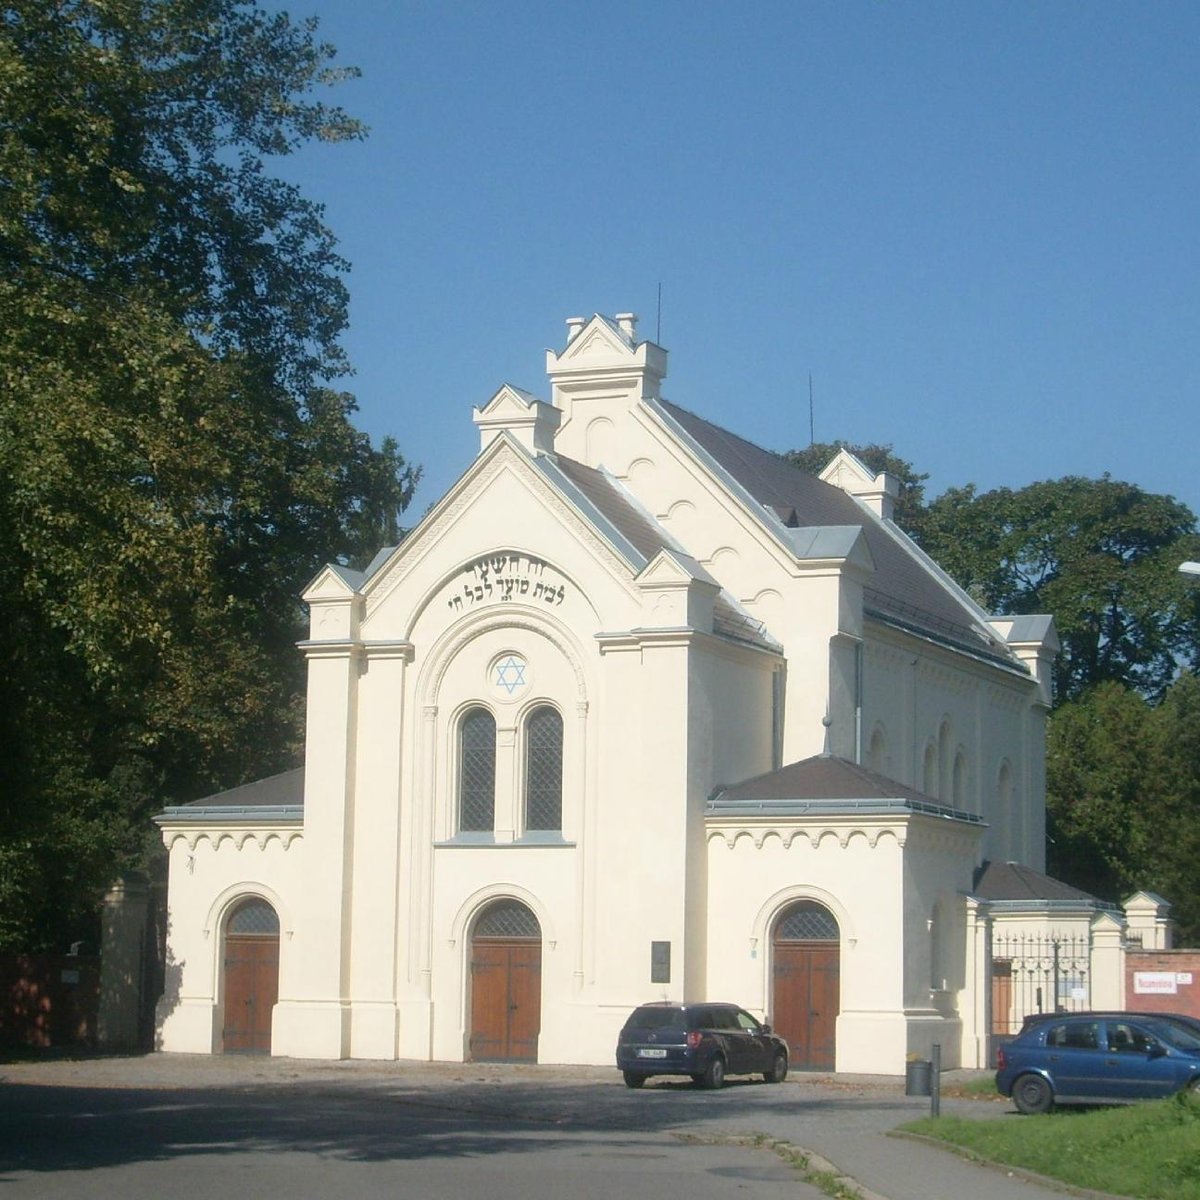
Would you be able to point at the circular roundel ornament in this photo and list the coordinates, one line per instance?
(509, 677)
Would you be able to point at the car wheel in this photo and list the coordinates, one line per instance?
(1032, 1095)
(633, 1079)
(778, 1071)
(714, 1073)
(1194, 1087)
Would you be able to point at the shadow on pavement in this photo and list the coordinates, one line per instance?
(63, 1127)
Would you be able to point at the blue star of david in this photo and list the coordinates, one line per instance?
(510, 674)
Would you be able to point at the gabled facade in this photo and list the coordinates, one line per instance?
(637, 711)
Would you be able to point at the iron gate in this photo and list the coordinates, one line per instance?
(1034, 973)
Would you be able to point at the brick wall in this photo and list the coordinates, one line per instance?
(48, 1000)
(1169, 981)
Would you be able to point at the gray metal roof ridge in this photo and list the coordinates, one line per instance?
(1033, 904)
(782, 808)
(227, 813)
(1008, 662)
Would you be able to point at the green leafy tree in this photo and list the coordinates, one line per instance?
(910, 504)
(174, 459)
(1123, 795)
(1101, 555)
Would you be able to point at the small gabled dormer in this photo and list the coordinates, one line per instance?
(604, 365)
(679, 593)
(851, 474)
(531, 421)
(334, 603)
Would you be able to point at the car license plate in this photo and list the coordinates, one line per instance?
(652, 1052)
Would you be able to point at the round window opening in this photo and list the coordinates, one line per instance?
(509, 677)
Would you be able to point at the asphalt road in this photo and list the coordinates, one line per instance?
(182, 1126)
(373, 1134)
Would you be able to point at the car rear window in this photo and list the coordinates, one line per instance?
(656, 1018)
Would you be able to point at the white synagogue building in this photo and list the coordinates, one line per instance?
(638, 711)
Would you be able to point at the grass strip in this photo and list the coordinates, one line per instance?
(811, 1168)
(1150, 1151)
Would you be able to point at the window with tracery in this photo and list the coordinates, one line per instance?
(543, 738)
(477, 771)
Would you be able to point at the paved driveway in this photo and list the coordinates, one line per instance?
(184, 1126)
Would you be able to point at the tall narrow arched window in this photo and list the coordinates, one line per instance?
(477, 771)
(543, 769)
(929, 779)
(958, 786)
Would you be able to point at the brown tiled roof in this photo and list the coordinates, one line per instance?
(903, 590)
(823, 777)
(1015, 881)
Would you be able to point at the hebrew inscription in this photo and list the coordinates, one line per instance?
(502, 577)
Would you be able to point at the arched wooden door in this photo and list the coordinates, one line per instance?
(251, 977)
(806, 984)
(506, 984)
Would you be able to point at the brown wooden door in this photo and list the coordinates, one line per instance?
(506, 999)
(1001, 995)
(806, 1000)
(251, 990)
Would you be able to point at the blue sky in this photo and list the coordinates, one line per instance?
(975, 224)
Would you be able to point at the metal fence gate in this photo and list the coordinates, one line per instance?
(1033, 973)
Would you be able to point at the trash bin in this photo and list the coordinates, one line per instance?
(918, 1077)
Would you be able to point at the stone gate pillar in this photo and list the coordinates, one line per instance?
(122, 970)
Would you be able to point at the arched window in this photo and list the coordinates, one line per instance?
(1005, 822)
(543, 769)
(877, 754)
(807, 921)
(929, 782)
(958, 787)
(507, 919)
(477, 771)
(254, 917)
(945, 762)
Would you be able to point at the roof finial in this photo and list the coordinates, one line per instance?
(827, 721)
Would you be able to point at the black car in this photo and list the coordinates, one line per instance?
(706, 1041)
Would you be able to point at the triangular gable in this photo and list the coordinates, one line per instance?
(672, 567)
(544, 473)
(333, 583)
(599, 338)
(847, 471)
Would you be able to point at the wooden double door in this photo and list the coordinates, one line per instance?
(251, 990)
(251, 975)
(506, 999)
(806, 986)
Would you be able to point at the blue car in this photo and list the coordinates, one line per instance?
(706, 1041)
(1088, 1057)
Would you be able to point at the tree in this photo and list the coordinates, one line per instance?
(910, 504)
(1101, 555)
(175, 462)
(1123, 795)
